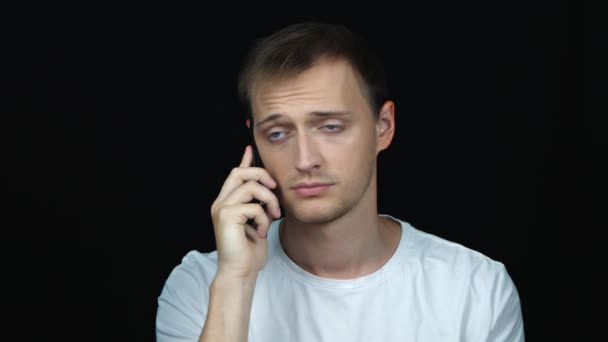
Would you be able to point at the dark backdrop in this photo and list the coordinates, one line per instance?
(132, 124)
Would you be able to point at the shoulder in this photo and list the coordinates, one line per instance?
(434, 252)
(464, 279)
(450, 267)
(196, 269)
(182, 304)
(189, 281)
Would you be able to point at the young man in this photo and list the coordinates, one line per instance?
(332, 269)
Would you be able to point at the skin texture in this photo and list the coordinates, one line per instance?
(338, 232)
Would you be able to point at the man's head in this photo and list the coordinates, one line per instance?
(296, 48)
(317, 100)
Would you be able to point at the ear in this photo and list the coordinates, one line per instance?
(248, 123)
(385, 126)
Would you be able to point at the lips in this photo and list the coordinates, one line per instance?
(311, 189)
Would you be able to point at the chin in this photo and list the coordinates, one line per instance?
(315, 213)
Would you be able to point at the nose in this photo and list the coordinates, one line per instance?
(307, 153)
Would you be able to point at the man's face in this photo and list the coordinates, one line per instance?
(317, 128)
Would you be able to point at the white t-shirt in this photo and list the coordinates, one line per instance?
(429, 290)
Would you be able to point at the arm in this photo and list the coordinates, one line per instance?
(191, 308)
(240, 224)
(242, 249)
(229, 309)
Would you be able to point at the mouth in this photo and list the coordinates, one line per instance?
(311, 190)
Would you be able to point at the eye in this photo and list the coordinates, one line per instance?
(332, 128)
(275, 135)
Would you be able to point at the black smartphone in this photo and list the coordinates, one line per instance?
(257, 161)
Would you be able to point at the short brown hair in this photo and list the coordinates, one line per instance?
(297, 47)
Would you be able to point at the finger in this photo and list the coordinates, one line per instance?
(255, 212)
(247, 157)
(255, 191)
(238, 176)
(270, 212)
(251, 233)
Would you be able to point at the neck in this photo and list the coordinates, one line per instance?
(353, 245)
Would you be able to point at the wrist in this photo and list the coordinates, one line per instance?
(227, 280)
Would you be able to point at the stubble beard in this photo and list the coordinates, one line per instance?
(340, 200)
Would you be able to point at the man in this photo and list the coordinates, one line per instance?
(332, 269)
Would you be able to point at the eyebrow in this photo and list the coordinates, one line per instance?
(325, 114)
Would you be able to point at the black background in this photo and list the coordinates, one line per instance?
(131, 124)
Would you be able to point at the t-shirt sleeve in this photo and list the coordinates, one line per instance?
(507, 323)
(183, 303)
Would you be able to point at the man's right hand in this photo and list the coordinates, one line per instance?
(242, 249)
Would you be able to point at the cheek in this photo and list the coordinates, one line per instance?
(352, 158)
(277, 166)
(361, 145)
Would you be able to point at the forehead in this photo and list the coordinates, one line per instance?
(328, 85)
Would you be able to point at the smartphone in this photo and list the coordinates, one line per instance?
(257, 161)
